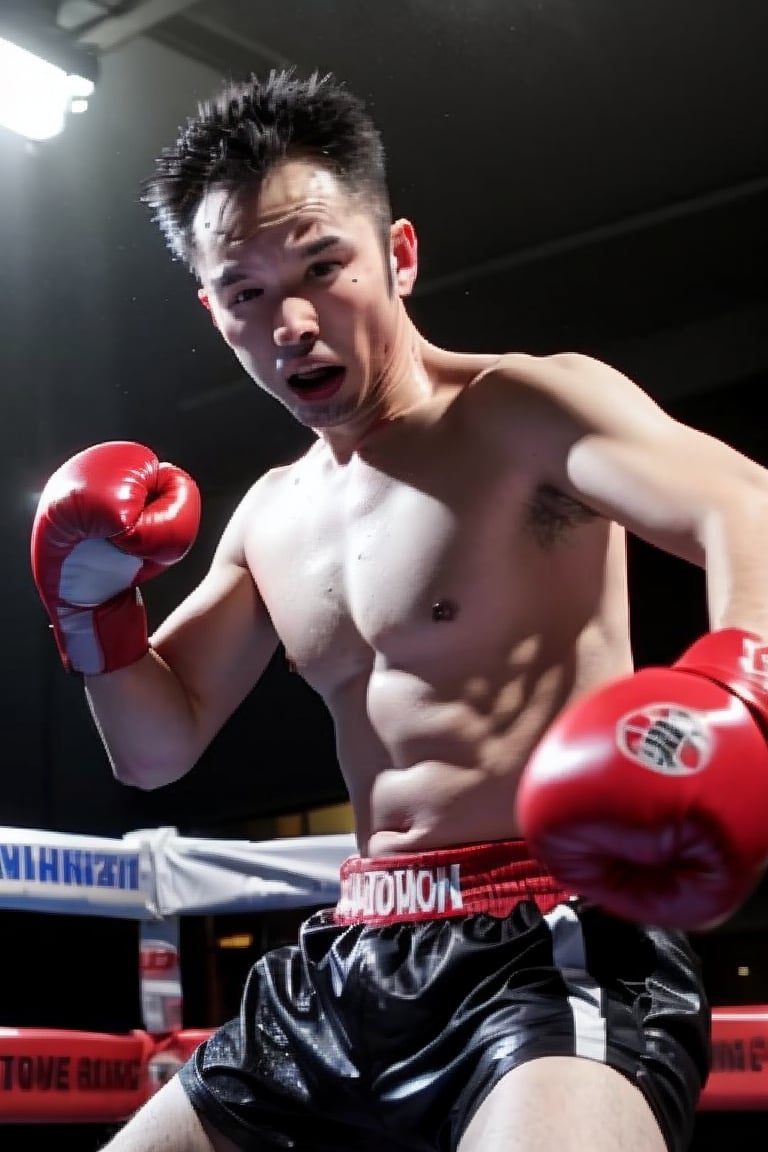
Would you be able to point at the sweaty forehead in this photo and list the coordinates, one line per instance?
(294, 197)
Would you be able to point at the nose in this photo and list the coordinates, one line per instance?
(296, 323)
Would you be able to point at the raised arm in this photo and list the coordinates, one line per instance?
(649, 795)
(109, 519)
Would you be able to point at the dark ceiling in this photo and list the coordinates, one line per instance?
(583, 174)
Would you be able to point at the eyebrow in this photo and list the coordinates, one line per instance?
(234, 275)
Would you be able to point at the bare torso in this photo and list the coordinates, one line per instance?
(445, 603)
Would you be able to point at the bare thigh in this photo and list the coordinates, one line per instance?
(563, 1104)
(168, 1123)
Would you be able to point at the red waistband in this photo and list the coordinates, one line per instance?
(448, 882)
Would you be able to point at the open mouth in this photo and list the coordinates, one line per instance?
(317, 383)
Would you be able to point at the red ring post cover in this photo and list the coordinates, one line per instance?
(739, 1077)
(57, 1075)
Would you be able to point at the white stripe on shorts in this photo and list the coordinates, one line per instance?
(585, 996)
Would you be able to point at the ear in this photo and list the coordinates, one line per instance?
(205, 300)
(404, 255)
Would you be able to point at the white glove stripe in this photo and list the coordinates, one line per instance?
(83, 647)
(94, 572)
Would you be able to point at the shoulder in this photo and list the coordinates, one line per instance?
(262, 501)
(534, 411)
(517, 375)
(525, 395)
(569, 391)
(275, 482)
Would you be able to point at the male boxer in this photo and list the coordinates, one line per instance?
(446, 567)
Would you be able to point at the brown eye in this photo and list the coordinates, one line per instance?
(324, 268)
(245, 295)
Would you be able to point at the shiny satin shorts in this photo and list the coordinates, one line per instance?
(398, 1011)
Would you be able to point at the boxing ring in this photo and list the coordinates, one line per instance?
(155, 876)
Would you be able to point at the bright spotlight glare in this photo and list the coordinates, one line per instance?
(36, 96)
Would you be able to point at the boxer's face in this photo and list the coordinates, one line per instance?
(296, 279)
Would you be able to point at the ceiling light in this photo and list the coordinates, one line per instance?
(41, 83)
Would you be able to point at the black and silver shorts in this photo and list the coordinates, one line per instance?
(396, 1013)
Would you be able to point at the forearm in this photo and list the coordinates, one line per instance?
(146, 721)
(737, 566)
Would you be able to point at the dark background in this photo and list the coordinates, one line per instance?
(584, 175)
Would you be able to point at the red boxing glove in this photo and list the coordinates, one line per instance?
(650, 795)
(110, 518)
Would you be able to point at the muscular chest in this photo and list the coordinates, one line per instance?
(372, 563)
